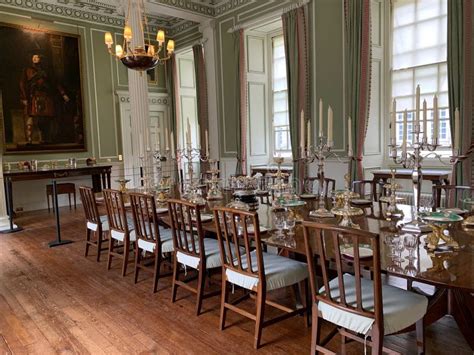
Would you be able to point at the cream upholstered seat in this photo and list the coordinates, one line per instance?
(280, 272)
(166, 242)
(94, 226)
(401, 308)
(362, 309)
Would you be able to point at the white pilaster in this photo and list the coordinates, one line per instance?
(138, 88)
(4, 222)
(209, 37)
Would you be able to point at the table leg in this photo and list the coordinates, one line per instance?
(9, 197)
(461, 307)
(58, 240)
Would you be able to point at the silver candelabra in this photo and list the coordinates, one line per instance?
(319, 153)
(190, 154)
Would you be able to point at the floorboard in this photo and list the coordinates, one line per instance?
(57, 301)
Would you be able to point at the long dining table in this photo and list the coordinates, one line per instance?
(450, 274)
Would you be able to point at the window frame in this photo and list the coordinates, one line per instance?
(445, 150)
(288, 156)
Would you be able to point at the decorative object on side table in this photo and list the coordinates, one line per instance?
(347, 211)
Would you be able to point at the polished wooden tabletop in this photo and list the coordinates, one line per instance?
(452, 269)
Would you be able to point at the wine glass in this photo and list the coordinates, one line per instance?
(399, 248)
(290, 223)
(391, 240)
(410, 242)
(279, 223)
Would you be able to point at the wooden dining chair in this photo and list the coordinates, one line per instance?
(97, 226)
(191, 249)
(329, 184)
(122, 235)
(253, 269)
(453, 194)
(360, 308)
(152, 240)
(367, 189)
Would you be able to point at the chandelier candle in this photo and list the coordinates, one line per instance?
(320, 118)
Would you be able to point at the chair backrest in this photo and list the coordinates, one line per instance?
(329, 184)
(233, 229)
(145, 218)
(325, 241)
(89, 204)
(116, 213)
(366, 189)
(452, 195)
(186, 227)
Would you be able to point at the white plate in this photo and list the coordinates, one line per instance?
(161, 210)
(364, 252)
(204, 217)
(251, 230)
(454, 210)
(308, 196)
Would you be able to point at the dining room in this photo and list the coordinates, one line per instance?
(222, 176)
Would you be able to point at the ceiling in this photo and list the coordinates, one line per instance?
(172, 15)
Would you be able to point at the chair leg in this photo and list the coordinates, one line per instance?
(99, 245)
(69, 198)
(111, 249)
(420, 336)
(315, 329)
(75, 205)
(200, 289)
(126, 251)
(88, 238)
(174, 286)
(224, 300)
(377, 341)
(137, 262)
(156, 273)
(307, 302)
(343, 344)
(259, 318)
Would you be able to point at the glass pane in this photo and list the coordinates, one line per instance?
(280, 119)
(427, 78)
(404, 12)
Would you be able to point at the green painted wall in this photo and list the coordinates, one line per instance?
(325, 26)
(102, 76)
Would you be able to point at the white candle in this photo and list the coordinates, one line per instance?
(405, 129)
(417, 108)
(425, 120)
(393, 123)
(320, 117)
(308, 131)
(330, 121)
(349, 139)
(140, 144)
(435, 118)
(302, 130)
(207, 143)
(172, 144)
(188, 132)
(167, 143)
(457, 137)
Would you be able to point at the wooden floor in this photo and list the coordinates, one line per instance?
(57, 301)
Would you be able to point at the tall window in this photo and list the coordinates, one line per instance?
(419, 54)
(281, 125)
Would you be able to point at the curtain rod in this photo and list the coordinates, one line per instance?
(280, 12)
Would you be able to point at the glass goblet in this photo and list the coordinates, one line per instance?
(410, 242)
(391, 240)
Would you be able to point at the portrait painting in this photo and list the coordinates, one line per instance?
(40, 88)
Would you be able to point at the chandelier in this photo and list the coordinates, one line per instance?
(140, 57)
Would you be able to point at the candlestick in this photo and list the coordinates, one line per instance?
(405, 128)
(207, 143)
(417, 107)
(330, 121)
(302, 131)
(188, 132)
(320, 118)
(349, 132)
(457, 130)
(308, 131)
(435, 119)
(140, 144)
(167, 145)
(425, 121)
(393, 123)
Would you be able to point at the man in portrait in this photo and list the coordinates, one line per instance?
(39, 94)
